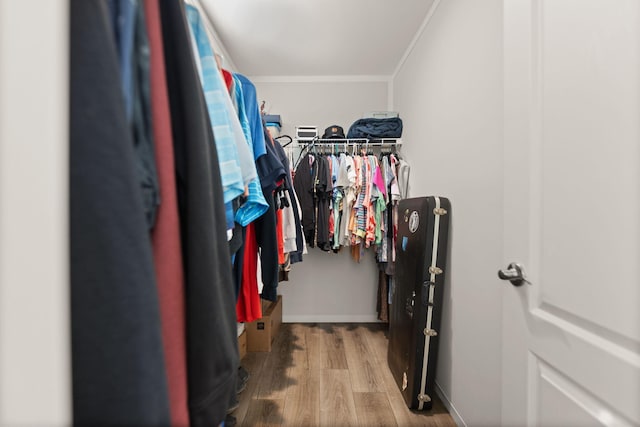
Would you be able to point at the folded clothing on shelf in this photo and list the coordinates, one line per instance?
(376, 128)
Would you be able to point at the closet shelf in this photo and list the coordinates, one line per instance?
(350, 141)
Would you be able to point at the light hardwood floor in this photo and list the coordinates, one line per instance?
(328, 375)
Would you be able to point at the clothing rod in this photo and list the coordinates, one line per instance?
(354, 141)
(370, 144)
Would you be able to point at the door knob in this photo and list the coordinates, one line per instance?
(514, 273)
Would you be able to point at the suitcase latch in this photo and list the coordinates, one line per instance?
(424, 398)
(435, 270)
(410, 303)
(425, 293)
(430, 332)
(439, 211)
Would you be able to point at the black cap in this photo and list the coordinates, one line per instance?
(333, 132)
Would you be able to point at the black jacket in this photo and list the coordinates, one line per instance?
(297, 255)
(212, 350)
(117, 355)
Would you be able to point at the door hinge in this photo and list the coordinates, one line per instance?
(439, 211)
(430, 332)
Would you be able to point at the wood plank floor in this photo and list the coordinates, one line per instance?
(328, 375)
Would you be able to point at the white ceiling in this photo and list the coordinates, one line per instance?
(316, 37)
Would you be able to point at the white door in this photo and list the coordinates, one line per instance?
(571, 349)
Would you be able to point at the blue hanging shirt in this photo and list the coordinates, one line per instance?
(214, 93)
(256, 205)
(253, 115)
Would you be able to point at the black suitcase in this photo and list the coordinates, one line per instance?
(416, 309)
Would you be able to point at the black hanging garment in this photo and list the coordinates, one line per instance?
(416, 309)
(304, 182)
(212, 350)
(297, 255)
(271, 173)
(323, 193)
(117, 355)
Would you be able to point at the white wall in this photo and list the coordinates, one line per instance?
(326, 287)
(449, 94)
(35, 359)
(321, 102)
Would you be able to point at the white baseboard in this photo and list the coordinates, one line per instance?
(452, 409)
(330, 318)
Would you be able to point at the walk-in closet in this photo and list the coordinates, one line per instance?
(319, 213)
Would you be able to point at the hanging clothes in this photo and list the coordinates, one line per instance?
(360, 207)
(363, 193)
(386, 253)
(129, 29)
(348, 182)
(153, 317)
(253, 115)
(323, 190)
(117, 362)
(166, 239)
(379, 202)
(272, 174)
(403, 178)
(294, 238)
(303, 182)
(212, 356)
(255, 205)
(371, 196)
(383, 249)
(396, 196)
(249, 307)
(215, 93)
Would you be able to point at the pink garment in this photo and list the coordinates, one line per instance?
(370, 227)
(167, 252)
(378, 180)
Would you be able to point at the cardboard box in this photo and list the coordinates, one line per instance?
(260, 334)
(242, 344)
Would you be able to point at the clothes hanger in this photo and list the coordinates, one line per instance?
(290, 140)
